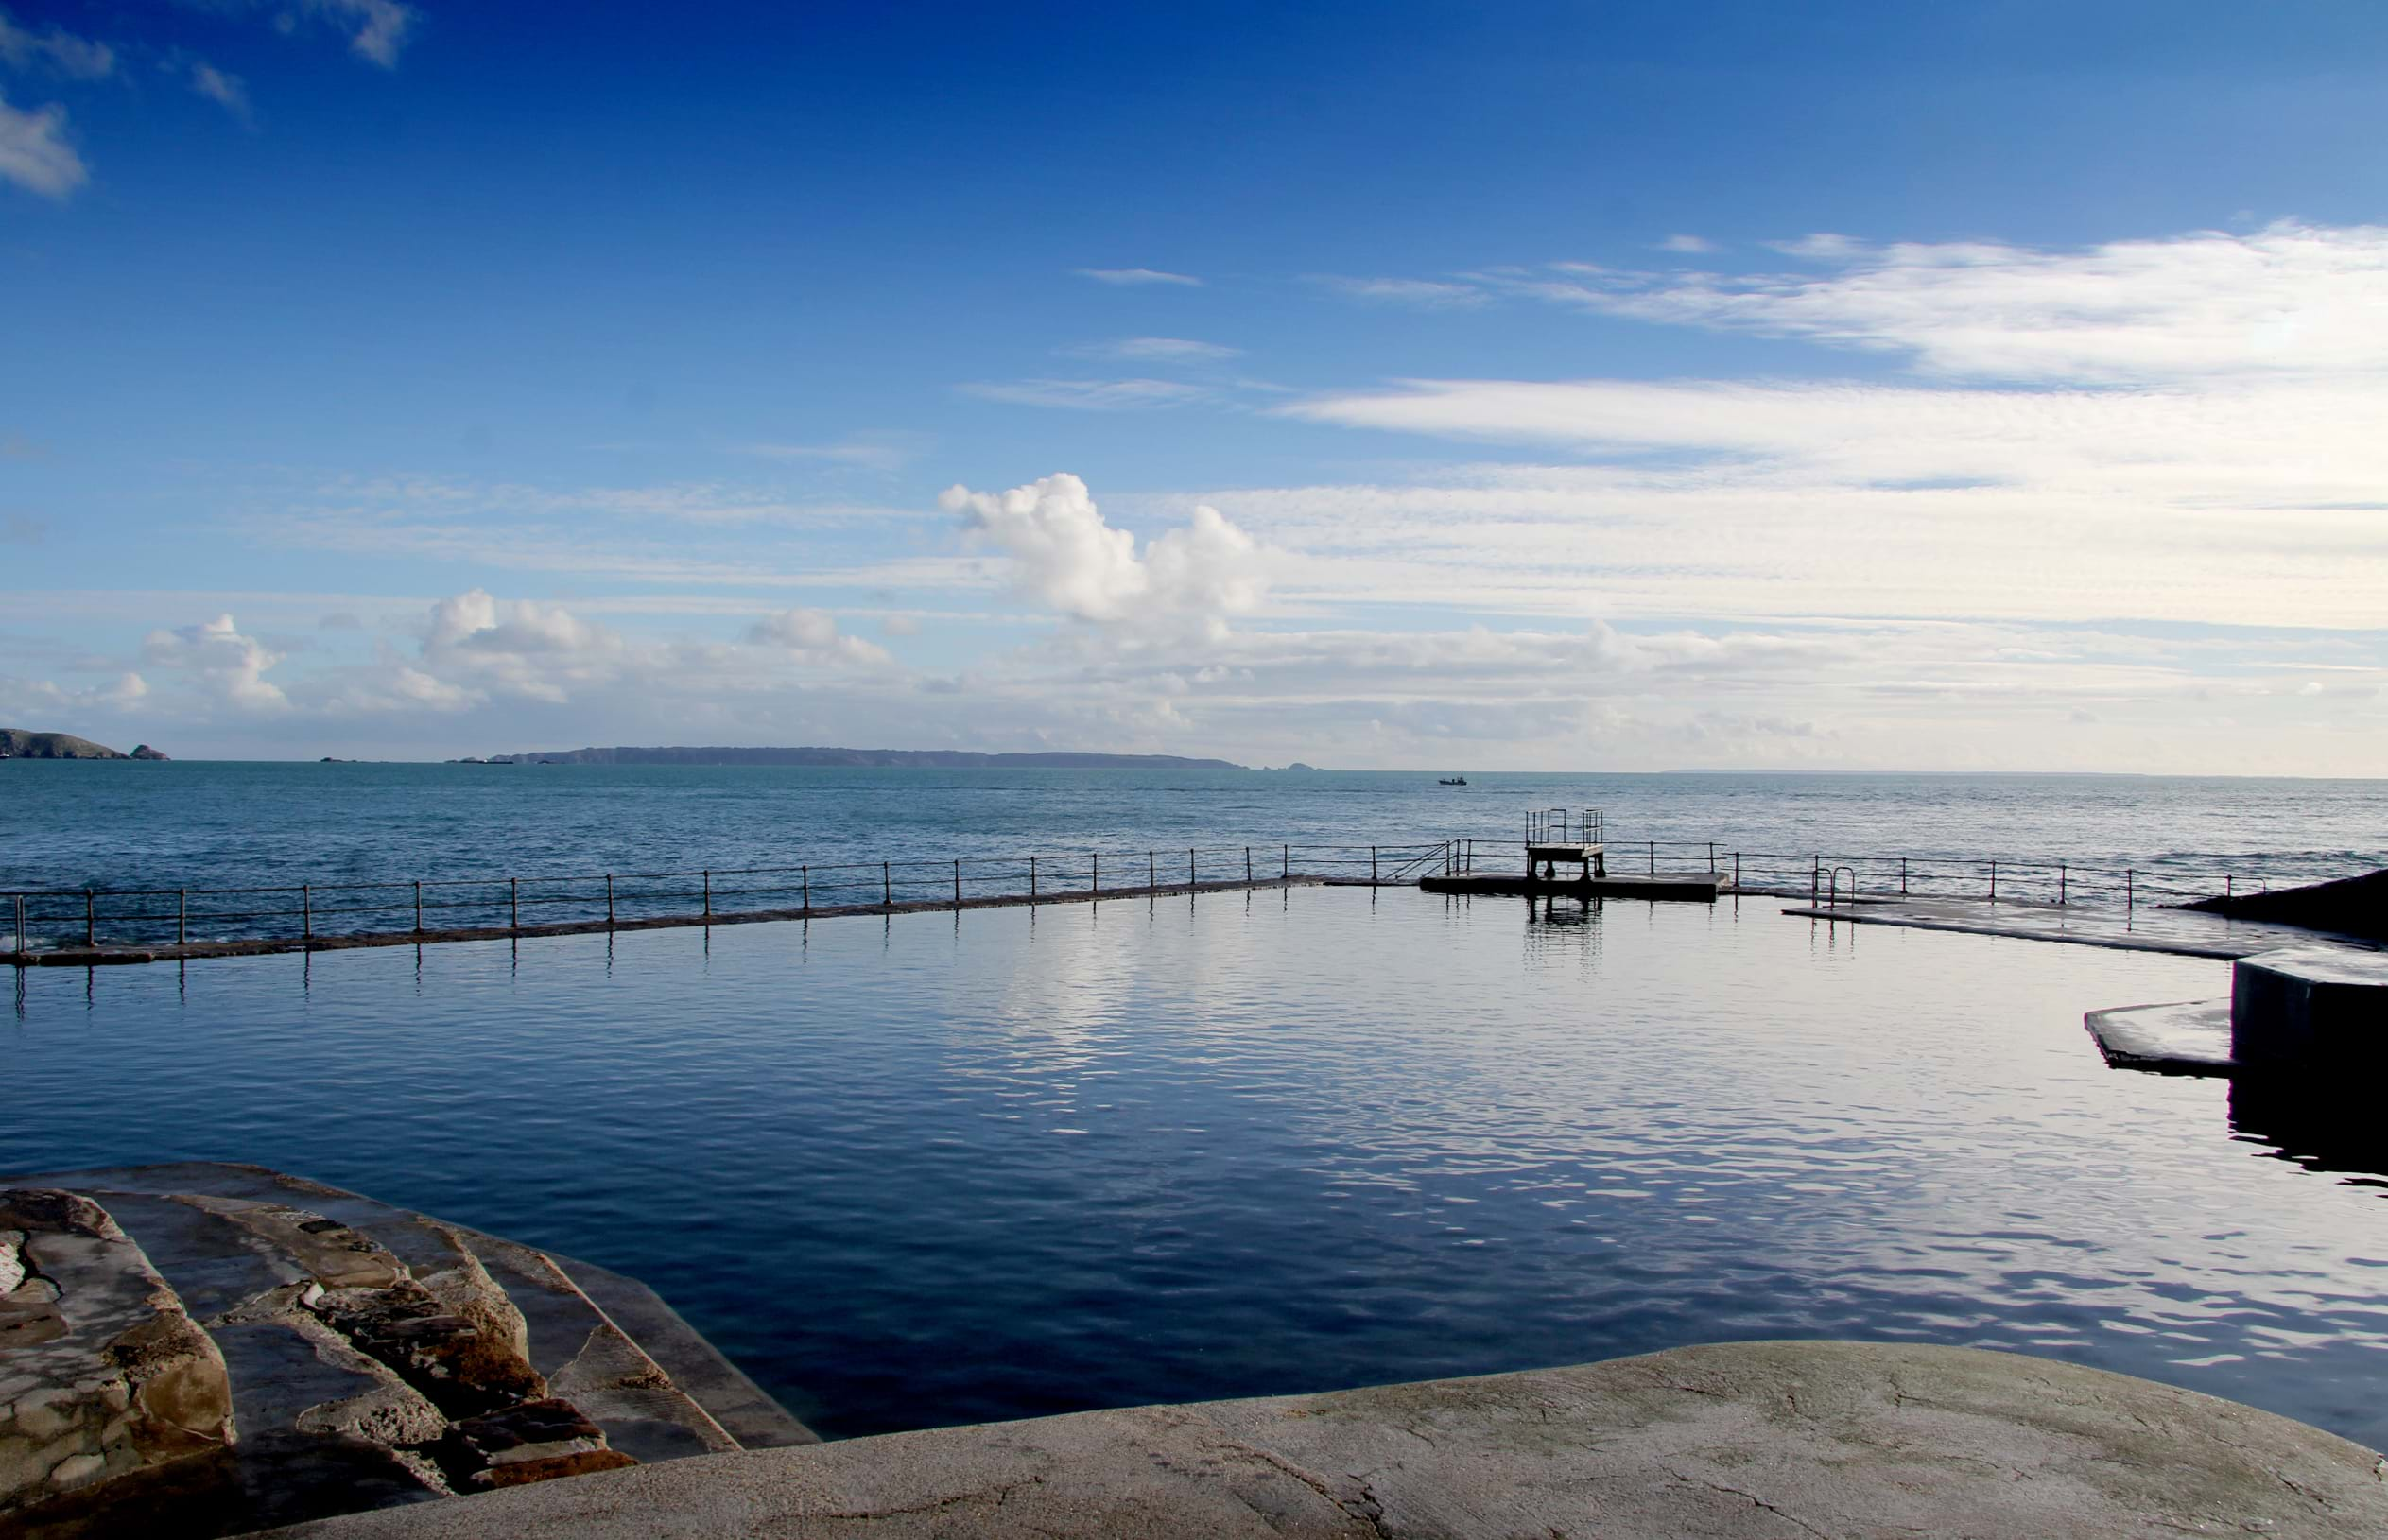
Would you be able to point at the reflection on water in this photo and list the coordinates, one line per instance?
(945, 1168)
(2334, 1129)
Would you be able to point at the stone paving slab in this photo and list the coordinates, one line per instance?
(1761, 1441)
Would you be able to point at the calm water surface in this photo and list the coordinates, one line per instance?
(938, 1168)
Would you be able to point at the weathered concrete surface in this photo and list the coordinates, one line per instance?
(1762, 1441)
(2188, 1037)
(1690, 887)
(361, 1356)
(2181, 932)
(2319, 1007)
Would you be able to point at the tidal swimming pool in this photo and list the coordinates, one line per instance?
(941, 1168)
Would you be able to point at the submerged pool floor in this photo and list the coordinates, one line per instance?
(938, 1168)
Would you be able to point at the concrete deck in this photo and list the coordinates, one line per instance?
(1693, 888)
(1763, 1441)
(2182, 932)
(2190, 1037)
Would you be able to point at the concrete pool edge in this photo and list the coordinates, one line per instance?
(1753, 1439)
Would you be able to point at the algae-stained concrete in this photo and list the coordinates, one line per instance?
(1760, 1440)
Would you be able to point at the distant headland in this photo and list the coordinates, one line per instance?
(16, 743)
(871, 759)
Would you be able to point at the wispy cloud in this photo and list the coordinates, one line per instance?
(890, 452)
(1687, 245)
(226, 90)
(34, 152)
(57, 50)
(377, 30)
(1089, 395)
(1125, 276)
(1425, 293)
(1163, 350)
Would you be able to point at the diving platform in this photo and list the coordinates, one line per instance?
(1690, 886)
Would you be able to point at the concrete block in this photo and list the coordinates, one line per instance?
(2319, 1006)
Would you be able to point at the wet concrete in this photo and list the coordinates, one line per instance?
(2181, 932)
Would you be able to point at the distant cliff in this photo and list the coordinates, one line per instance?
(20, 744)
(896, 758)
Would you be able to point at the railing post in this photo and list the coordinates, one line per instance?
(1284, 860)
(609, 900)
(886, 885)
(1189, 868)
(1372, 865)
(2060, 884)
(91, 919)
(20, 930)
(957, 882)
(807, 874)
(1031, 878)
(1712, 857)
(1095, 861)
(2130, 899)
(1815, 877)
(182, 914)
(1736, 871)
(1902, 876)
(609, 903)
(1152, 872)
(2225, 886)
(1653, 857)
(708, 892)
(1247, 866)
(1994, 882)
(306, 911)
(513, 904)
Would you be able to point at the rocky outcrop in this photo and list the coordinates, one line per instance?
(206, 1350)
(19, 744)
(142, 751)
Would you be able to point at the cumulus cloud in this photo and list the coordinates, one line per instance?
(812, 636)
(1133, 276)
(223, 663)
(1065, 554)
(34, 152)
(60, 51)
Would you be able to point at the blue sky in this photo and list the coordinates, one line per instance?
(1586, 386)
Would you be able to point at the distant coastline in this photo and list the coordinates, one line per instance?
(872, 758)
(16, 743)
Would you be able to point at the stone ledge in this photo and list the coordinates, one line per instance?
(1758, 1441)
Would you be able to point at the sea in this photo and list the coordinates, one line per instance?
(121, 825)
(919, 1169)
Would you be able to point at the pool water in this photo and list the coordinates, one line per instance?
(940, 1168)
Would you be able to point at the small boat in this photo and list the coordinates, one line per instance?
(1453, 780)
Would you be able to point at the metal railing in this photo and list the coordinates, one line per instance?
(94, 917)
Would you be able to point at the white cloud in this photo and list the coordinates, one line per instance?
(1164, 350)
(78, 58)
(34, 153)
(1689, 245)
(1131, 276)
(1424, 294)
(1066, 555)
(377, 30)
(878, 452)
(226, 665)
(1090, 396)
(811, 636)
(2284, 300)
(226, 90)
